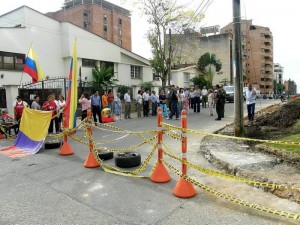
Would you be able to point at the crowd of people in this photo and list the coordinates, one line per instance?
(172, 103)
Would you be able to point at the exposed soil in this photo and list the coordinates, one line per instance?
(271, 123)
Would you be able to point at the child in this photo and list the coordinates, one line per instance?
(211, 97)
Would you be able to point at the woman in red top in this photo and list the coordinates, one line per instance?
(110, 98)
(50, 105)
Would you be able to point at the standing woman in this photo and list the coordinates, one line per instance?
(197, 94)
(50, 105)
(180, 100)
(61, 105)
(118, 107)
(139, 102)
(35, 104)
(110, 99)
(104, 100)
(162, 103)
(85, 103)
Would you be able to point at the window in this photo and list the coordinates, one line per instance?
(120, 42)
(120, 33)
(85, 13)
(105, 29)
(186, 77)
(105, 19)
(155, 76)
(85, 25)
(120, 22)
(88, 63)
(136, 72)
(12, 61)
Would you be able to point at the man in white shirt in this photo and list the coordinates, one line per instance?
(146, 102)
(250, 101)
(155, 101)
(204, 94)
(127, 101)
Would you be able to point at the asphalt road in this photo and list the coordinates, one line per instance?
(47, 188)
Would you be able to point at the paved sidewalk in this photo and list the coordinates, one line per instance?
(47, 188)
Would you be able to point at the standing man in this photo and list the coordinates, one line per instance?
(96, 107)
(219, 97)
(250, 101)
(204, 94)
(155, 101)
(146, 102)
(197, 94)
(223, 101)
(127, 101)
(174, 104)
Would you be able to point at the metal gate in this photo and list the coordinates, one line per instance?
(58, 86)
(3, 98)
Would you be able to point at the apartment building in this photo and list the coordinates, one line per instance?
(257, 45)
(278, 73)
(188, 47)
(101, 17)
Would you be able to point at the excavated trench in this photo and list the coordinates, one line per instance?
(257, 161)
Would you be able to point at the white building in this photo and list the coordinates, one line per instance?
(53, 43)
(278, 73)
(182, 77)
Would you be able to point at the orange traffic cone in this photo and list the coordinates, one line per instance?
(160, 174)
(66, 149)
(91, 162)
(184, 189)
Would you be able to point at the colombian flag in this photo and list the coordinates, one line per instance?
(71, 101)
(32, 133)
(32, 66)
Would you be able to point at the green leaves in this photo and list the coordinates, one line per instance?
(209, 65)
(103, 77)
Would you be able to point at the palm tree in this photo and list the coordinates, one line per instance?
(103, 77)
(209, 65)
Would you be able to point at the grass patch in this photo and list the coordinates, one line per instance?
(291, 138)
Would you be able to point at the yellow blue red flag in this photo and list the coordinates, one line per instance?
(30, 139)
(32, 66)
(71, 101)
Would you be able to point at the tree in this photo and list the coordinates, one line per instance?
(277, 87)
(209, 65)
(103, 77)
(200, 81)
(163, 15)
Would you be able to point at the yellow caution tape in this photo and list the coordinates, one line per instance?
(230, 198)
(228, 176)
(230, 137)
(131, 147)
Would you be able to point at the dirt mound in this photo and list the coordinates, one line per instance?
(279, 116)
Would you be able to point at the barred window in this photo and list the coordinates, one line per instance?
(136, 72)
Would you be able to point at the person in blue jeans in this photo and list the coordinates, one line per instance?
(250, 101)
(174, 104)
(162, 103)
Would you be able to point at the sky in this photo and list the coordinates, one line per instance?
(280, 16)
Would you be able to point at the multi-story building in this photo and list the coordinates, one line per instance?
(103, 18)
(54, 57)
(278, 73)
(290, 87)
(190, 46)
(257, 45)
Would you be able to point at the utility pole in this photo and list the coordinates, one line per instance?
(238, 70)
(169, 59)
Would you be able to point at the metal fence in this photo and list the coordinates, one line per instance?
(3, 98)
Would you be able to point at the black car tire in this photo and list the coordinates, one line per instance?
(53, 144)
(106, 155)
(127, 159)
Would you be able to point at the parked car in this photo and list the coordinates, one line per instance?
(229, 93)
